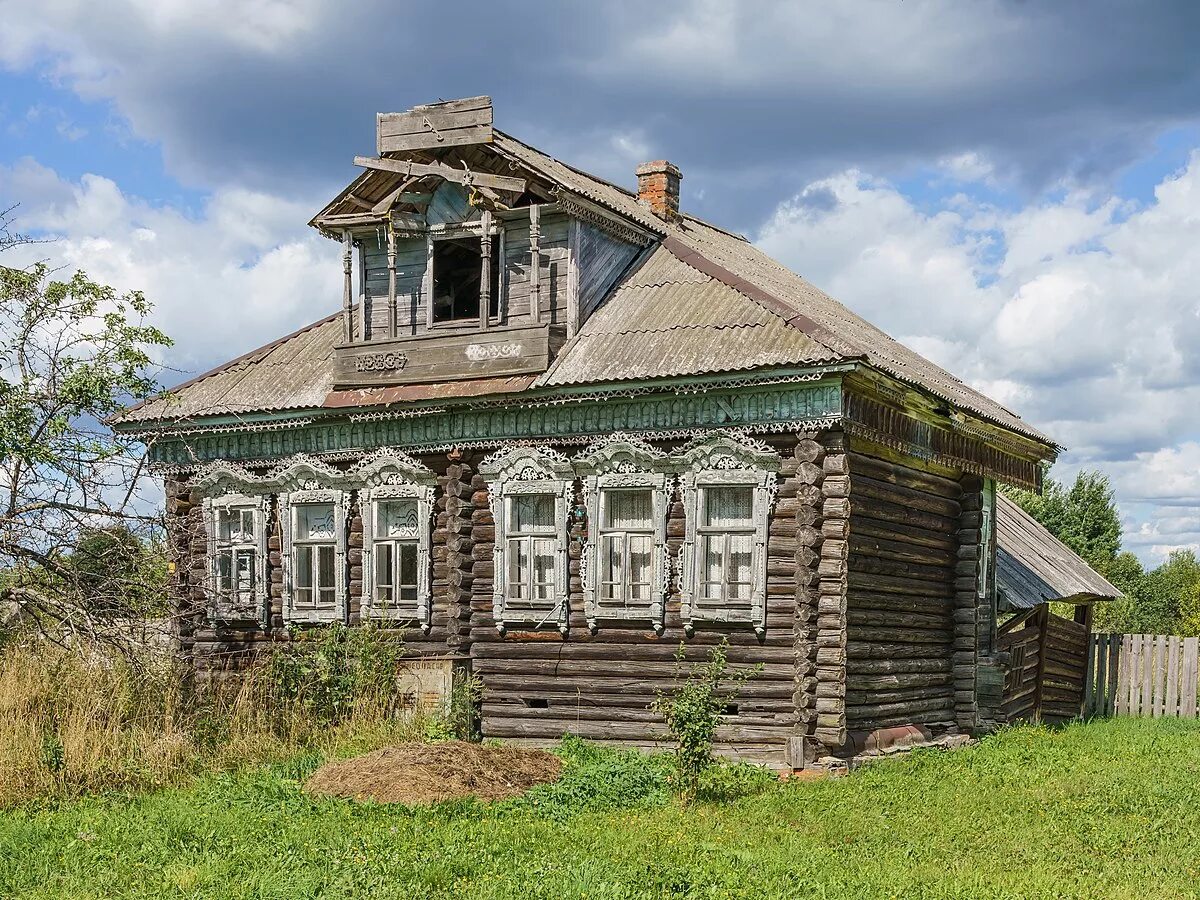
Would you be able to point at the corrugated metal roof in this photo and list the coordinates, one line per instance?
(671, 319)
(1034, 567)
(707, 301)
(294, 372)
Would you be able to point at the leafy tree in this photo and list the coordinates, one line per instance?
(72, 353)
(1084, 516)
(118, 573)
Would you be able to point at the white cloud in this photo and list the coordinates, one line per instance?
(1083, 316)
(244, 271)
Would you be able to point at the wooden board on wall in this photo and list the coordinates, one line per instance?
(447, 124)
(448, 356)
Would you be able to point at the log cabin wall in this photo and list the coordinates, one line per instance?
(871, 613)
(539, 685)
(901, 627)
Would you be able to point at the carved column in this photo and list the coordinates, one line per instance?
(348, 289)
(393, 330)
(535, 263)
(485, 276)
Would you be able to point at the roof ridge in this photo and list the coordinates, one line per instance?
(833, 343)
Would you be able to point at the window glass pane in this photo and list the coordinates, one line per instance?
(531, 512)
(224, 526)
(611, 568)
(543, 570)
(383, 574)
(245, 571)
(246, 527)
(628, 510)
(302, 576)
(741, 548)
(396, 519)
(640, 546)
(408, 565)
(325, 568)
(712, 556)
(315, 522)
(224, 570)
(518, 568)
(729, 507)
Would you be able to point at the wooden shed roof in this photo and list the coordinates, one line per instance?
(704, 301)
(1034, 567)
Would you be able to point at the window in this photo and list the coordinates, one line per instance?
(728, 488)
(626, 548)
(726, 534)
(531, 544)
(395, 552)
(531, 490)
(396, 506)
(237, 553)
(457, 278)
(624, 569)
(314, 554)
(314, 549)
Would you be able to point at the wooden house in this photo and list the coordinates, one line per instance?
(556, 429)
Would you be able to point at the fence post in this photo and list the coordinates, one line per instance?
(1188, 693)
(1172, 704)
(1091, 674)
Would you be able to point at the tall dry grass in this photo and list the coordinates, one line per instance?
(76, 722)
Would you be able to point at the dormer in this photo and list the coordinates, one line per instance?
(460, 261)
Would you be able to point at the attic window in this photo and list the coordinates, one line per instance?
(457, 278)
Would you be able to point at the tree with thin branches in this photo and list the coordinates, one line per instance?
(72, 354)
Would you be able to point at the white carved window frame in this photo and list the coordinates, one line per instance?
(369, 500)
(222, 606)
(726, 460)
(525, 471)
(616, 463)
(289, 502)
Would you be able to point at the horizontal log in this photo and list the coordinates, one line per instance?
(904, 476)
(901, 621)
(866, 667)
(862, 564)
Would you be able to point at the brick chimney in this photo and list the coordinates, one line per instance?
(658, 188)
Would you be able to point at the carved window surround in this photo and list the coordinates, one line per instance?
(397, 476)
(726, 459)
(304, 480)
(512, 474)
(623, 462)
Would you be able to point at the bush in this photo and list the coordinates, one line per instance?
(328, 673)
(693, 710)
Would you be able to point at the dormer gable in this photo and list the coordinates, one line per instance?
(461, 262)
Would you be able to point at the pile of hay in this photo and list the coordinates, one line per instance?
(416, 773)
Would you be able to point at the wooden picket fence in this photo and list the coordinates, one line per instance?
(1142, 675)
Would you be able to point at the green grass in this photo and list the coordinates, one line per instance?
(1108, 809)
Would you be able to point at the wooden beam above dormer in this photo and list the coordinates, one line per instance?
(447, 173)
(436, 125)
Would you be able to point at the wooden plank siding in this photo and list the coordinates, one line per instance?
(900, 629)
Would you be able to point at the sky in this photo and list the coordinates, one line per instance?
(1011, 188)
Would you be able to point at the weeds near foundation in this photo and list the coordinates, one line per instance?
(74, 722)
(693, 710)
